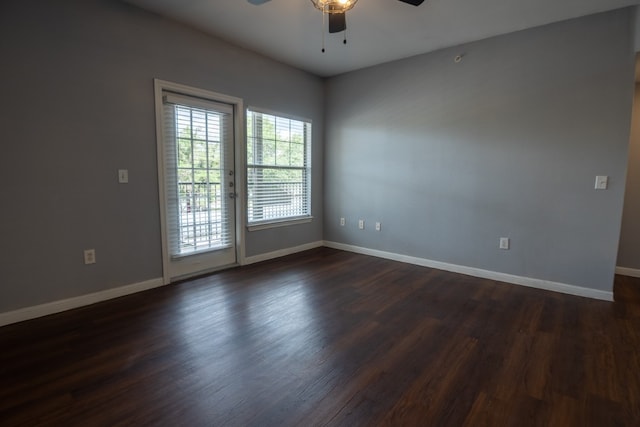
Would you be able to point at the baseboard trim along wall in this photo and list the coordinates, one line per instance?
(476, 272)
(46, 309)
(632, 272)
(282, 252)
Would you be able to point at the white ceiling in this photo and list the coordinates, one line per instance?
(377, 30)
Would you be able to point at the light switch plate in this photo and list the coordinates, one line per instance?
(602, 182)
(123, 176)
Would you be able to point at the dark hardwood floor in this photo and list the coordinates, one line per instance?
(329, 338)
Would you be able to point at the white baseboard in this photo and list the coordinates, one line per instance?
(477, 272)
(46, 309)
(632, 272)
(281, 252)
(28, 313)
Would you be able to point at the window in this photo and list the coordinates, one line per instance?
(278, 169)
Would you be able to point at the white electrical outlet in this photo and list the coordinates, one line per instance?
(89, 256)
(361, 224)
(378, 226)
(504, 243)
(123, 176)
(342, 222)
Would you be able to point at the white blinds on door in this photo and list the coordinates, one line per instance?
(197, 167)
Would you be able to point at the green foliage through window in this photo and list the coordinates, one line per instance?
(278, 172)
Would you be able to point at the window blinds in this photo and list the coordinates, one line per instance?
(278, 168)
(198, 153)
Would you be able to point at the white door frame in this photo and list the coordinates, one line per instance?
(239, 137)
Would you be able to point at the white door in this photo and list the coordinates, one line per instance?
(198, 185)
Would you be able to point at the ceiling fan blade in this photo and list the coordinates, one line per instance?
(258, 2)
(413, 2)
(337, 22)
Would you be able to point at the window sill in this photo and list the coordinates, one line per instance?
(282, 223)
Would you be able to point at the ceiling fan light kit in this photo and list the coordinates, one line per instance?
(335, 11)
(334, 6)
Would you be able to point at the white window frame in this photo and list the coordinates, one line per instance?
(286, 221)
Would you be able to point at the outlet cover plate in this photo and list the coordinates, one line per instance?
(90, 256)
(504, 243)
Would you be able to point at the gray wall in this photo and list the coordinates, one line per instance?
(629, 251)
(636, 26)
(77, 90)
(449, 157)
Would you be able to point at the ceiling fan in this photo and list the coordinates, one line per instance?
(336, 10)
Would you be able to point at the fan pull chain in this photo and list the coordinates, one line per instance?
(323, 31)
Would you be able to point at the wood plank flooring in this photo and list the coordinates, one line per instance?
(329, 338)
